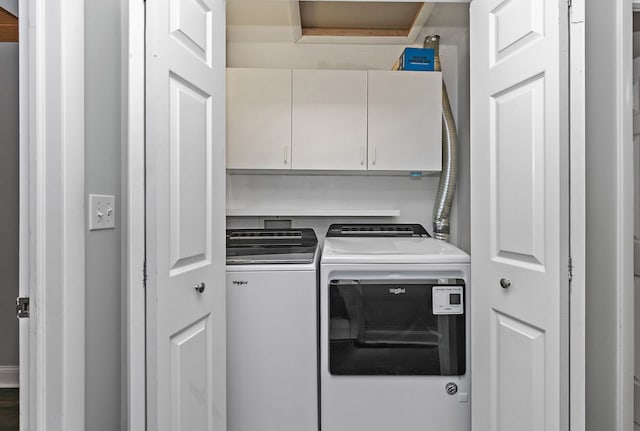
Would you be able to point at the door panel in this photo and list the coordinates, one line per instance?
(190, 195)
(519, 205)
(191, 23)
(513, 25)
(185, 141)
(190, 371)
(517, 164)
(518, 377)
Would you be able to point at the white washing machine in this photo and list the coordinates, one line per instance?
(394, 345)
(272, 353)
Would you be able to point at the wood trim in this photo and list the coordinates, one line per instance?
(8, 26)
(357, 32)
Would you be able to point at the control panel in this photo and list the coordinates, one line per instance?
(448, 300)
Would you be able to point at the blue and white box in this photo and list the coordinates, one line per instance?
(417, 59)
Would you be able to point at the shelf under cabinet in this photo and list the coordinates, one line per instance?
(299, 212)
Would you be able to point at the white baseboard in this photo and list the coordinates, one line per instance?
(636, 393)
(9, 376)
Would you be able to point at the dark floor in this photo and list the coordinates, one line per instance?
(9, 409)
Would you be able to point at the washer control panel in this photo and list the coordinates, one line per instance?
(448, 300)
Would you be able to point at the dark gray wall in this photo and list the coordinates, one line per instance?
(9, 204)
(103, 176)
(10, 5)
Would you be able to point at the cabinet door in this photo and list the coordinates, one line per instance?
(258, 119)
(405, 120)
(329, 119)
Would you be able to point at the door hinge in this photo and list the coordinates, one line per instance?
(22, 308)
(570, 269)
(144, 274)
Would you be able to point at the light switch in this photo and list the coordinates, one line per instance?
(102, 212)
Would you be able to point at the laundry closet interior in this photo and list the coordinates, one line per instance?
(324, 139)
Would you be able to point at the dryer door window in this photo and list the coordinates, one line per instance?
(410, 327)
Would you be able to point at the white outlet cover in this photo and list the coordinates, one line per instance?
(102, 212)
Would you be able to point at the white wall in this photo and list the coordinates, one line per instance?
(636, 235)
(256, 45)
(609, 227)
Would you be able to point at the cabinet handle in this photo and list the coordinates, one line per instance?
(374, 155)
(362, 155)
(286, 153)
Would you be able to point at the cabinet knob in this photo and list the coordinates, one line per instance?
(505, 283)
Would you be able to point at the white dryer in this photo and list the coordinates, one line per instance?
(394, 345)
(272, 349)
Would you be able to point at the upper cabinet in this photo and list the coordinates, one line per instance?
(329, 128)
(259, 118)
(405, 121)
(334, 120)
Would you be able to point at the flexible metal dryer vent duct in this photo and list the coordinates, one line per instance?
(447, 185)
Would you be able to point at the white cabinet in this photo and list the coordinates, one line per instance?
(329, 129)
(258, 118)
(405, 121)
(334, 120)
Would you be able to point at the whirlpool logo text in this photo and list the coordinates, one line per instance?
(397, 290)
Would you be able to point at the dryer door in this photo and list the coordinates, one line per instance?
(408, 327)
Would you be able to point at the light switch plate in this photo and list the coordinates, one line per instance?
(102, 211)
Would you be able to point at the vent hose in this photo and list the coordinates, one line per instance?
(447, 184)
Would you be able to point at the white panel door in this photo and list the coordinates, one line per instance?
(405, 120)
(519, 210)
(258, 118)
(185, 147)
(329, 119)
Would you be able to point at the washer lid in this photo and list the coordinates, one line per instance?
(270, 246)
(391, 250)
(372, 230)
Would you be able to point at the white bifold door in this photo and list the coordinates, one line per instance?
(185, 163)
(519, 212)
